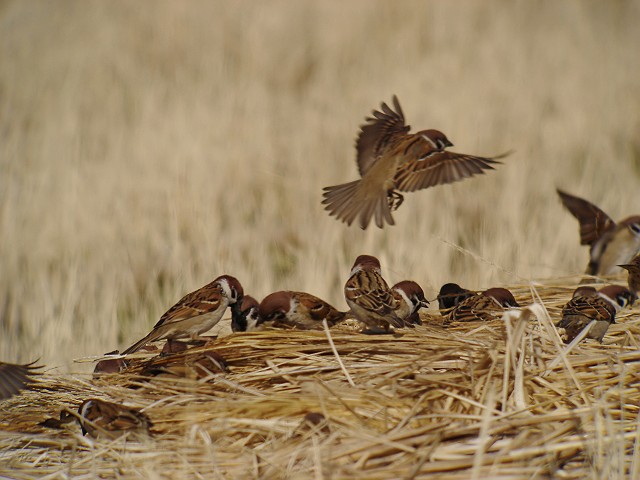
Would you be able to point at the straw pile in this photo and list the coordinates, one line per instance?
(492, 400)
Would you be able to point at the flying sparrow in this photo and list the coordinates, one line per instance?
(611, 243)
(369, 298)
(634, 274)
(195, 313)
(409, 299)
(244, 315)
(14, 377)
(297, 309)
(589, 305)
(489, 305)
(450, 295)
(392, 160)
(99, 418)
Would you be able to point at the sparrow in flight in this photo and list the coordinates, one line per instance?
(611, 243)
(488, 305)
(195, 313)
(297, 309)
(409, 299)
(14, 377)
(450, 295)
(392, 160)
(589, 305)
(634, 274)
(368, 295)
(244, 315)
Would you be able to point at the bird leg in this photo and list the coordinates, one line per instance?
(395, 199)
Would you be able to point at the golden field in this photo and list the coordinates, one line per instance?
(148, 147)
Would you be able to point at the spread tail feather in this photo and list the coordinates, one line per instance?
(348, 202)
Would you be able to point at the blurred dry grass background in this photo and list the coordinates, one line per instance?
(147, 147)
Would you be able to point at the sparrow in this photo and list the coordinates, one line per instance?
(392, 160)
(450, 295)
(244, 315)
(195, 313)
(15, 377)
(369, 298)
(634, 273)
(610, 243)
(409, 299)
(99, 418)
(488, 305)
(297, 309)
(588, 305)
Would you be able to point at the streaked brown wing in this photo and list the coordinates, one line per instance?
(593, 221)
(378, 133)
(594, 308)
(476, 308)
(14, 378)
(207, 299)
(319, 309)
(439, 168)
(370, 291)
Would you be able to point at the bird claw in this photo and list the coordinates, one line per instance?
(395, 199)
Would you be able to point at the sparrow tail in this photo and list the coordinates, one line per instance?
(154, 335)
(350, 201)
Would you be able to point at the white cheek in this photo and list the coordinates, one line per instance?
(433, 144)
(355, 270)
(226, 288)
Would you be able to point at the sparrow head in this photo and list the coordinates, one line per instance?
(413, 292)
(503, 296)
(365, 262)
(619, 296)
(275, 305)
(451, 294)
(231, 288)
(244, 314)
(436, 138)
(584, 291)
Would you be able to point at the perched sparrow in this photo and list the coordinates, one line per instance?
(99, 418)
(489, 305)
(600, 306)
(409, 299)
(195, 313)
(368, 295)
(297, 309)
(14, 377)
(451, 294)
(390, 159)
(244, 315)
(634, 273)
(611, 243)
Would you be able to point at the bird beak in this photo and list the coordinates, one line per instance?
(424, 303)
(449, 144)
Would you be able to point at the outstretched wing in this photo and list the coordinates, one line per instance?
(593, 221)
(441, 167)
(378, 134)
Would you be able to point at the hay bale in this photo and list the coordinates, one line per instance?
(499, 399)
